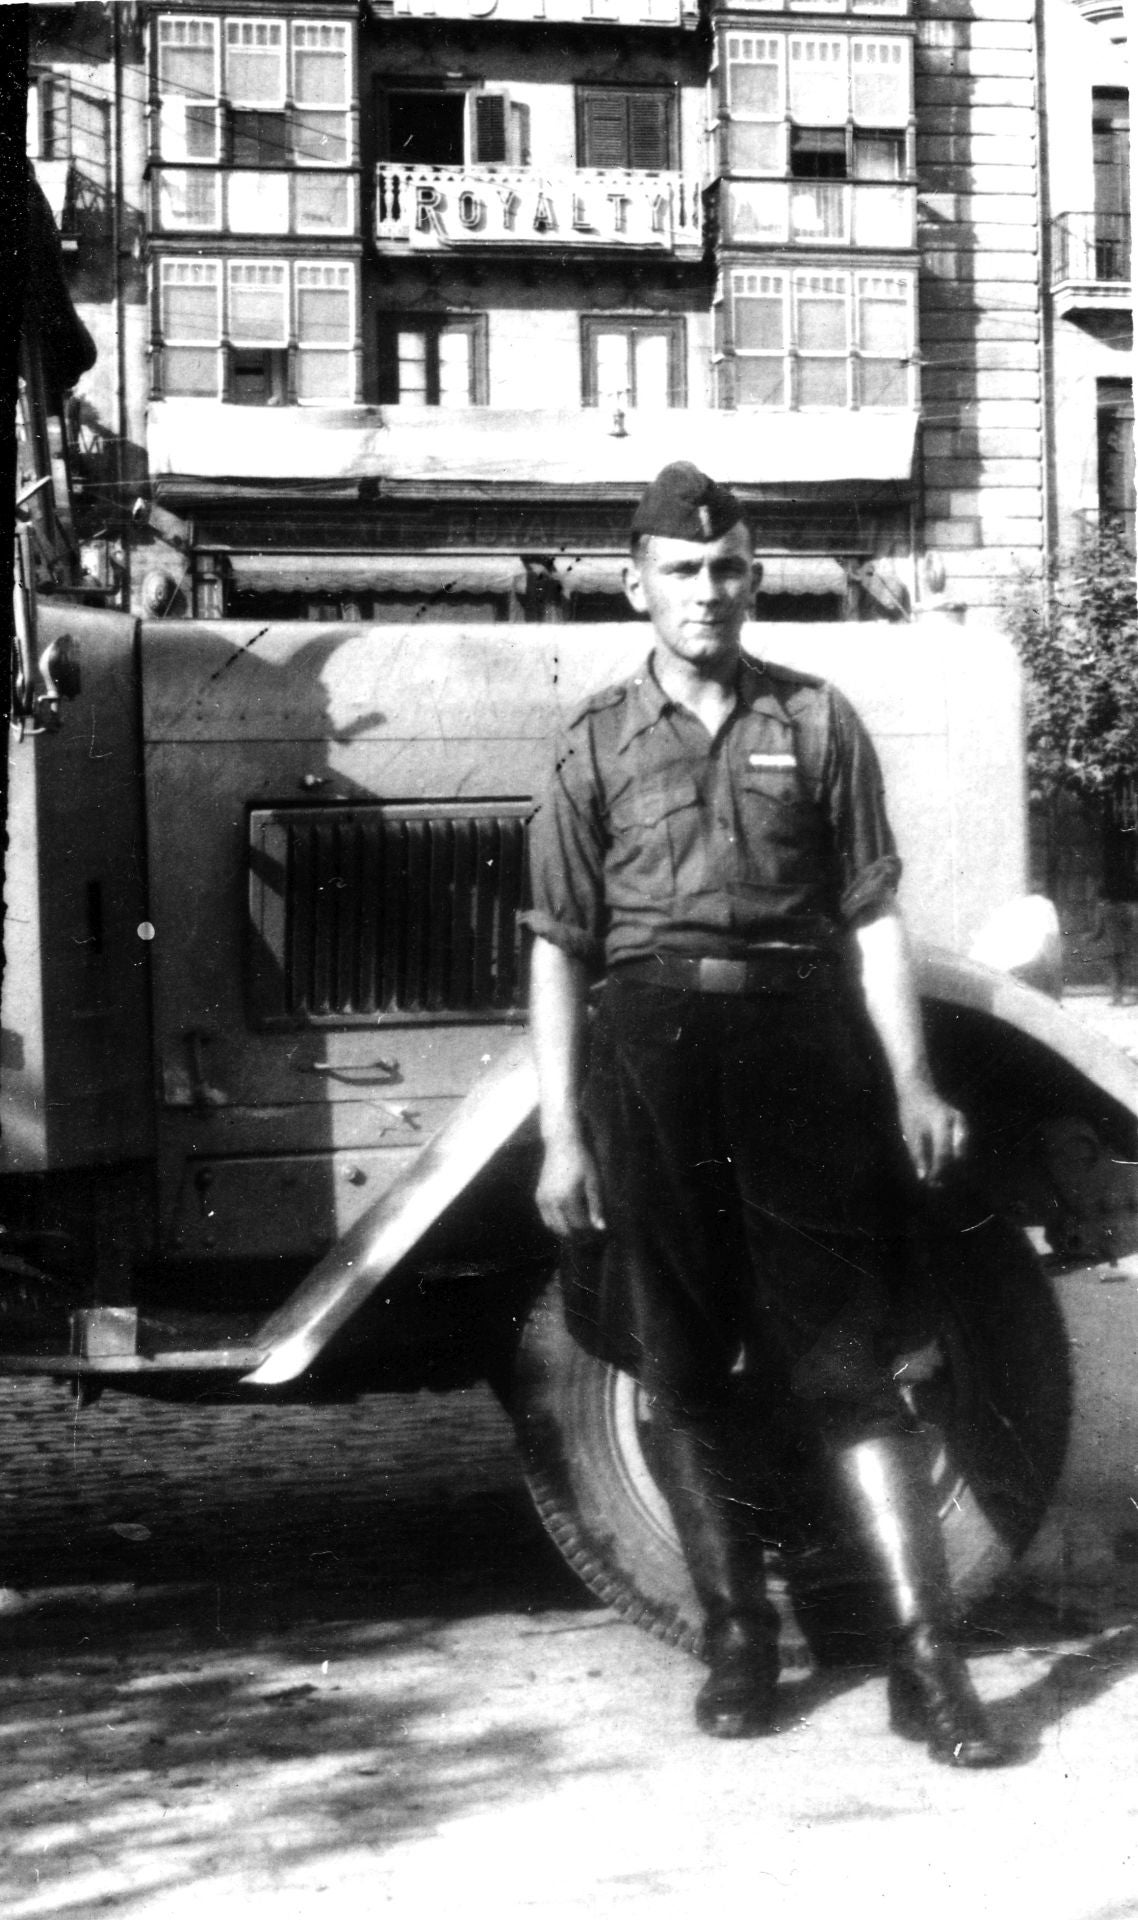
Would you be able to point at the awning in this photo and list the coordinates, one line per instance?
(424, 573)
(801, 573)
(436, 451)
(591, 572)
(782, 573)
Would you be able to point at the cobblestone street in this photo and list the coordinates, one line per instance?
(284, 1662)
(278, 1662)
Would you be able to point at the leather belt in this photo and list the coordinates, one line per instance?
(775, 971)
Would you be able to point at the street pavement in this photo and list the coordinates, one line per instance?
(260, 1661)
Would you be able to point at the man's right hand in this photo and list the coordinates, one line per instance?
(569, 1189)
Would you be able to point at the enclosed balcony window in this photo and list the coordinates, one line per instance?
(631, 127)
(818, 153)
(759, 329)
(190, 323)
(756, 101)
(324, 203)
(255, 63)
(816, 339)
(188, 198)
(883, 323)
(189, 85)
(285, 331)
(223, 89)
(325, 328)
(880, 83)
(878, 156)
(821, 332)
(818, 82)
(258, 139)
(854, 86)
(258, 376)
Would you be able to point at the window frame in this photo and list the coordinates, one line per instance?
(793, 285)
(515, 128)
(671, 325)
(301, 107)
(241, 21)
(296, 45)
(736, 55)
(838, 295)
(222, 272)
(228, 107)
(235, 270)
(214, 22)
(346, 347)
(166, 179)
(391, 322)
(861, 281)
(799, 107)
(170, 268)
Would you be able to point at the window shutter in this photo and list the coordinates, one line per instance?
(604, 125)
(490, 127)
(648, 129)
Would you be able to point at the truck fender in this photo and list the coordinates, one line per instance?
(950, 978)
(505, 1097)
(360, 1263)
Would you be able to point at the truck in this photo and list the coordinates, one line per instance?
(268, 1106)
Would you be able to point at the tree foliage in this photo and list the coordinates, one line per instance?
(1076, 632)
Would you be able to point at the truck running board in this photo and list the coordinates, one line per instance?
(360, 1263)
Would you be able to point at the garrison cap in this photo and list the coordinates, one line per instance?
(681, 503)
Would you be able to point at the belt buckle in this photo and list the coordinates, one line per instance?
(722, 976)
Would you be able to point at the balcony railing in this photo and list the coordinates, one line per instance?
(1090, 249)
(1093, 521)
(822, 213)
(436, 208)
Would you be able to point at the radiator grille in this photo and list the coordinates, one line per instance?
(364, 911)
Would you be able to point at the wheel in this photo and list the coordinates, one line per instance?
(993, 1388)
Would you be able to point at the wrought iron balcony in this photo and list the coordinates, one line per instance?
(1090, 260)
(438, 208)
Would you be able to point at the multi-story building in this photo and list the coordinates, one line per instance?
(434, 288)
(1090, 309)
(86, 142)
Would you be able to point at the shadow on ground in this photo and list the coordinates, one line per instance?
(230, 1635)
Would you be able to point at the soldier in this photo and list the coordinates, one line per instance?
(731, 1172)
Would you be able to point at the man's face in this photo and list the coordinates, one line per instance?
(696, 593)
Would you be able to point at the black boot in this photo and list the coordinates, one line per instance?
(725, 1560)
(931, 1696)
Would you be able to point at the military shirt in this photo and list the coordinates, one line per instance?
(653, 837)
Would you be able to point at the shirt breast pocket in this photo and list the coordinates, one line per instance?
(778, 808)
(655, 826)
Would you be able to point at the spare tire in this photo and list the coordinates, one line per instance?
(995, 1393)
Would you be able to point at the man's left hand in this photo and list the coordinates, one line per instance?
(935, 1132)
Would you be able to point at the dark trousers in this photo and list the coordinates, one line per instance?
(760, 1207)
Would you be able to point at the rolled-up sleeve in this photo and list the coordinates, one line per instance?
(566, 844)
(869, 866)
